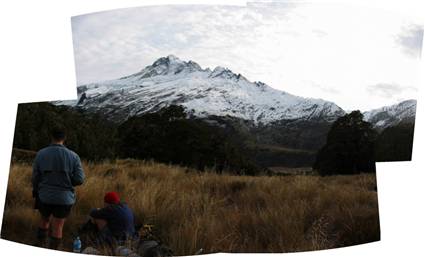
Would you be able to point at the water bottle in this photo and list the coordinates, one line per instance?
(77, 245)
(122, 251)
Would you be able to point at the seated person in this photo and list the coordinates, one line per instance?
(115, 221)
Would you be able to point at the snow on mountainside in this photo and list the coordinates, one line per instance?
(203, 92)
(393, 115)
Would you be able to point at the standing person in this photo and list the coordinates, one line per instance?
(56, 171)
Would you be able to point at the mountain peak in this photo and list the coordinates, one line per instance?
(218, 92)
(225, 73)
(403, 112)
(169, 65)
(170, 59)
(173, 57)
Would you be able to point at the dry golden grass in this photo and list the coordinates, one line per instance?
(225, 213)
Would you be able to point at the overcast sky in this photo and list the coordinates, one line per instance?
(357, 57)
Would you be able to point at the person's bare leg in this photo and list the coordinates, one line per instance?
(56, 232)
(44, 222)
(99, 223)
(43, 231)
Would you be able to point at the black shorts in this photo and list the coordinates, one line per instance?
(58, 211)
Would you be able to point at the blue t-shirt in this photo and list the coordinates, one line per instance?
(119, 218)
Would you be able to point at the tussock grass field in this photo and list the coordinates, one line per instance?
(219, 213)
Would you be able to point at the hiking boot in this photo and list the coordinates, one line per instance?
(42, 236)
(54, 243)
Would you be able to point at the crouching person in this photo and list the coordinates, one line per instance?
(114, 222)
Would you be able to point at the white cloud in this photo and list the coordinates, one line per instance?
(410, 39)
(344, 49)
(388, 90)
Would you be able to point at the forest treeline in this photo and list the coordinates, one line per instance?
(353, 146)
(165, 136)
(168, 136)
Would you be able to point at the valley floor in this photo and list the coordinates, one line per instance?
(219, 213)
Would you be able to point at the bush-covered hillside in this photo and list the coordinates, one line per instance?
(395, 143)
(169, 136)
(166, 136)
(90, 135)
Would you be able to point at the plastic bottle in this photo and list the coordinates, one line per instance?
(122, 251)
(77, 245)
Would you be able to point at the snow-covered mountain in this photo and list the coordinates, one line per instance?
(217, 92)
(393, 115)
(203, 92)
